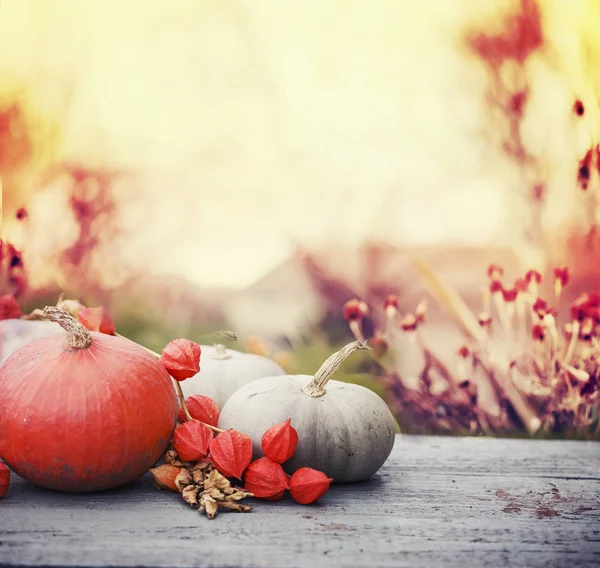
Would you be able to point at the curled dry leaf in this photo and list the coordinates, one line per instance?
(266, 479)
(191, 440)
(201, 408)
(181, 359)
(96, 319)
(308, 485)
(4, 479)
(208, 504)
(216, 480)
(183, 479)
(279, 442)
(200, 472)
(231, 453)
(165, 476)
(217, 492)
(190, 495)
(172, 458)
(200, 485)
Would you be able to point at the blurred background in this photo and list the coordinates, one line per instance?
(252, 165)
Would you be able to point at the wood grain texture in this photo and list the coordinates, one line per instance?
(437, 502)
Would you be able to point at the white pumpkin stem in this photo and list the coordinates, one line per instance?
(220, 352)
(78, 337)
(316, 387)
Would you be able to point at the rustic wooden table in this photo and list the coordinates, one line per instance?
(437, 502)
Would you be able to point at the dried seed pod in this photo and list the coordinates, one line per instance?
(165, 476)
(192, 439)
(279, 442)
(181, 359)
(231, 453)
(96, 319)
(266, 479)
(4, 479)
(201, 408)
(308, 485)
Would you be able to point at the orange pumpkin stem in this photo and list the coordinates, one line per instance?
(78, 337)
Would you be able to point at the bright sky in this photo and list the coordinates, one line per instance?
(256, 126)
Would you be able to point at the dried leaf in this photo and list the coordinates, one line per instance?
(208, 504)
(172, 458)
(215, 494)
(190, 495)
(215, 479)
(238, 495)
(183, 479)
(238, 507)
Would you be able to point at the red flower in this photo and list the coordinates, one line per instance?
(391, 302)
(533, 275)
(9, 308)
(510, 295)
(537, 332)
(496, 287)
(463, 351)
(583, 173)
(586, 305)
(540, 307)
(495, 271)
(355, 310)
(409, 323)
(561, 274)
(521, 285)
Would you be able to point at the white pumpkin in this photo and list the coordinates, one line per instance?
(14, 333)
(344, 430)
(223, 371)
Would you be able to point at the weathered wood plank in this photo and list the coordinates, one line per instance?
(437, 502)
